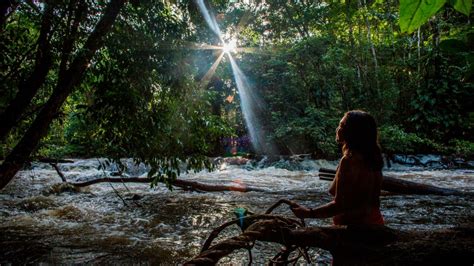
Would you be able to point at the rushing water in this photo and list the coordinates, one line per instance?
(155, 225)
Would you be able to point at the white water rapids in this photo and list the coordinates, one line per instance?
(161, 226)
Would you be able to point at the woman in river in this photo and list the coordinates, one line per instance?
(356, 187)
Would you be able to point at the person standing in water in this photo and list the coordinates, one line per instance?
(356, 187)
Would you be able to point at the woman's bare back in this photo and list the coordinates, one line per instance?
(357, 191)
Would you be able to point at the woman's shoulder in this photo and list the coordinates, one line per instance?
(352, 157)
(352, 164)
(355, 164)
(349, 165)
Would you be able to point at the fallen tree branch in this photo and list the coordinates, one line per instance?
(278, 203)
(349, 245)
(363, 245)
(55, 166)
(51, 160)
(278, 229)
(390, 184)
(281, 257)
(251, 218)
(397, 185)
(185, 184)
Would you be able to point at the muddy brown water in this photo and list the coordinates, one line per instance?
(158, 226)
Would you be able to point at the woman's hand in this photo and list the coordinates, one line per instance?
(300, 211)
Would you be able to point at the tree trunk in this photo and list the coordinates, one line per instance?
(437, 56)
(396, 185)
(29, 87)
(64, 87)
(418, 50)
(376, 90)
(349, 23)
(369, 38)
(353, 55)
(76, 11)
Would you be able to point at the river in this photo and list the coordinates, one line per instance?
(134, 223)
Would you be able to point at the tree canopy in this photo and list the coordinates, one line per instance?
(135, 79)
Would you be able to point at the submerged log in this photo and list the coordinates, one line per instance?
(396, 185)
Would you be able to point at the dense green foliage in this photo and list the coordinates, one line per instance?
(330, 58)
(143, 95)
(138, 99)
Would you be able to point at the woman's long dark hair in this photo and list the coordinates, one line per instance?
(358, 132)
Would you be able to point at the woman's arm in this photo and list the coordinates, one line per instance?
(341, 187)
(324, 211)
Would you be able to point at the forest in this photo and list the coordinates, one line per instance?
(169, 85)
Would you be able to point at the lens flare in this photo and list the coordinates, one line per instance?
(230, 46)
(250, 103)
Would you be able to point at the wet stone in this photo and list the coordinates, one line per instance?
(61, 188)
(36, 203)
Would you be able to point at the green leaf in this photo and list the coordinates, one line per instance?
(463, 6)
(414, 13)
